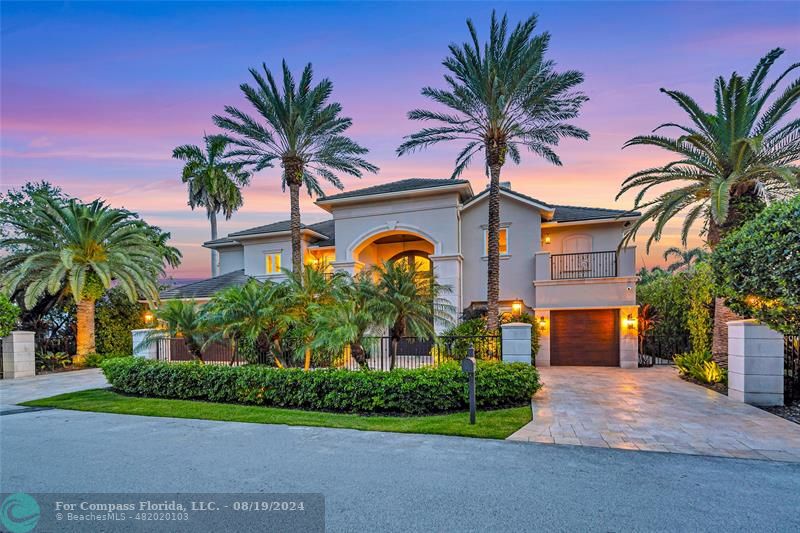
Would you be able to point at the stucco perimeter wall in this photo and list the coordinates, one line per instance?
(589, 293)
(516, 269)
(230, 259)
(434, 218)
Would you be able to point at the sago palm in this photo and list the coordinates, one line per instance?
(79, 249)
(213, 180)
(684, 257)
(501, 97)
(299, 128)
(728, 161)
(411, 302)
(185, 319)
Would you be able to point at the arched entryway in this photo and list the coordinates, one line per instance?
(395, 245)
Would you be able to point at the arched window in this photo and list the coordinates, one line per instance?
(414, 257)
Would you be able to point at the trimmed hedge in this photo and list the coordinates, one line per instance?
(409, 392)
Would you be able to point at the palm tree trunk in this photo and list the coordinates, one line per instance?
(294, 200)
(212, 218)
(307, 364)
(85, 333)
(357, 352)
(493, 250)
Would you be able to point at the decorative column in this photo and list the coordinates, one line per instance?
(147, 350)
(350, 267)
(629, 337)
(19, 355)
(755, 363)
(542, 319)
(516, 342)
(447, 269)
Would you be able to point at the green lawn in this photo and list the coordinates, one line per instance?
(497, 424)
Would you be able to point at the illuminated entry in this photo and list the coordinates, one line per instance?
(273, 263)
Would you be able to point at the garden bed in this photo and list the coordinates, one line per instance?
(721, 388)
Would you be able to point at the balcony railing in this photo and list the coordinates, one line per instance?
(586, 265)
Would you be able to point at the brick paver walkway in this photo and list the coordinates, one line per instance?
(652, 409)
(13, 391)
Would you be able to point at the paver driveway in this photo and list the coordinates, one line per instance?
(652, 409)
(13, 391)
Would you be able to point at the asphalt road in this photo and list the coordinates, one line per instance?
(391, 482)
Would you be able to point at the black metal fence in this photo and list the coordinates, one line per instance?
(584, 265)
(413, 352)
(655, 350)
(791, 369)
(380, 352)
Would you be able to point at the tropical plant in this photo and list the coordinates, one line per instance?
(52, 360)
(213, 179)
(302, 131)
(182, 318)
(253, 314)
(729, 161)
(80, 250)
(667, 295)
(345, 323)
(9, 313)
(502, 96)
(648, 318)
(412, 303)
(700, 313)
(758, 267)
(699, 365)
(684, 257)
(115, 316)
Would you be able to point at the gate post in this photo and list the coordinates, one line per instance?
(19, 355)
(146, 350)
(755, 363)
(516, 342)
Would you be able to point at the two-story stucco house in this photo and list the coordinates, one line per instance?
(560, 263)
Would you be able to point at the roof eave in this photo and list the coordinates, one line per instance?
(327, 204)
(547, 210)
(604, 220)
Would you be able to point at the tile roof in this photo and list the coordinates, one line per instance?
(396, 186)
(513, 193)
(327, 228)
(207, 287)
(571, 213)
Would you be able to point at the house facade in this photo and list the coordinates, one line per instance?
(559, 263)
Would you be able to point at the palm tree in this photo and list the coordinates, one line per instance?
(501, 96)
(411, 302)
(213, 180)
(302, 131)
(79, 249)
(729, 162)
(185, 319)
(685, 257)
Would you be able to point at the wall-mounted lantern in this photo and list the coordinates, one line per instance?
(148, 317)
(630, 322)
(542, 322)
(516, 308)
(547, 239)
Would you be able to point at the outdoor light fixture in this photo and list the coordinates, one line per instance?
(542, 322)
(547, 239)
(630, 321)
(516, 308)
(148, 317)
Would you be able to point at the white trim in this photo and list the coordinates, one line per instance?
(271, 234)
(609, 220)
(392, 226)
(507, 228)
(549, 211)
(323, 203)
(587, 281)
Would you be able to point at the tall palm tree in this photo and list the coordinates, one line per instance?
(79, 249)
(213, 179)
(501, 96)
(412, 303)
(300, 129)
(729, 161)
(684, 257)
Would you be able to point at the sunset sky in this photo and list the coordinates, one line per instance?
(96, 95)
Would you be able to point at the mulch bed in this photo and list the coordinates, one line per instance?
(716, 387)
(789, 412)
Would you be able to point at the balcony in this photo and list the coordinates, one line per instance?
(588, 265)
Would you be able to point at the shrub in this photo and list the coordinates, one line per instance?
(400, 391)
(475, 327)
(700, 366)
(95, 360)
(9, 313)
(667, 294)
(757, 268)
(115, 317)
(700, 314)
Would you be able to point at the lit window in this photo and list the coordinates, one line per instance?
(273, 263)
(502, 241)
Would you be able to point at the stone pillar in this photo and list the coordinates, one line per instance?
(516, 343)
(350, 267)
(447, 269)
(543, 355)
(629, 337)
(19, 355)
(146, 350)
(541, 264)
(755, 363)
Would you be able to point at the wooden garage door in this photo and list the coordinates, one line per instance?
(589, 338)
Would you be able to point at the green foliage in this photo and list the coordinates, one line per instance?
(52, 360)
(758, 267)
(9, 313)
(95, 360)
(400, 391)
(700, 366)
(667, 294)
(700, 314)
(181, 318)
(115, 316)
(476, 327)
(727, 160)
(684, 258)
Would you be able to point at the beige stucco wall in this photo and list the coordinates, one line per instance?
(572, 294)
(516, 269)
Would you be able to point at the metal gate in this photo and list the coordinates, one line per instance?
(791, 369)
